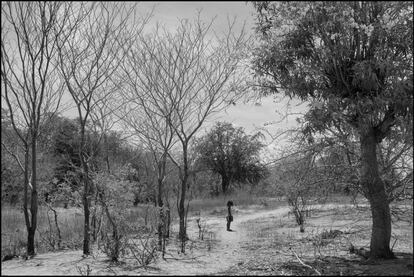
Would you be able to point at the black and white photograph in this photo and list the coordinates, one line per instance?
(229, 138)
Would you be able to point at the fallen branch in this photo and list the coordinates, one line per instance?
(297, 257)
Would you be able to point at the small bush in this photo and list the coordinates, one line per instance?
(144, 249)
(114, 247)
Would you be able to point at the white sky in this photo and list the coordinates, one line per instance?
(246, 115)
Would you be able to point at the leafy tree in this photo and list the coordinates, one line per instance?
(232, 154)
(353, 61)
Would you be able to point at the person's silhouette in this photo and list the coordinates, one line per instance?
(229, 217)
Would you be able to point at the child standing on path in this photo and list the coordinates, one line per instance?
(229, 217)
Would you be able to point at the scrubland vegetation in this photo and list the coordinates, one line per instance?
(133, 183)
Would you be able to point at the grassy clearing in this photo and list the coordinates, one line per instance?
(324, 245)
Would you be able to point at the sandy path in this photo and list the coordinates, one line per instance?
(225, 253)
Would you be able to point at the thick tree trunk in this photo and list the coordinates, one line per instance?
(375, 192)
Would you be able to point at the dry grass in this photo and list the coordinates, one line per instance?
(14, 233)
(324, 245)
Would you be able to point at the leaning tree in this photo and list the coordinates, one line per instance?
(354, 61)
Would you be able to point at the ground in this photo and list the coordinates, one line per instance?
(263, 242)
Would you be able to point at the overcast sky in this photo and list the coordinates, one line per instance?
(247, 115)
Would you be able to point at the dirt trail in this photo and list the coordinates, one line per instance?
(225, 253)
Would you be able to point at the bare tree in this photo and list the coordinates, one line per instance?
(88, 57)
(30, 85)
(191, 74)
(144, 113)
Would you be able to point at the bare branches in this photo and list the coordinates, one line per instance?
(308, 266)
(32, 92)
(31, 89)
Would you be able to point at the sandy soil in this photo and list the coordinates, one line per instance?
(225, 252)
(219, 253)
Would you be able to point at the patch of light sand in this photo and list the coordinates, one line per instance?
(224, 254)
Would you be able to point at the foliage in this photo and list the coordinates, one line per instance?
(353, 62)
(141, 174)
(232, 154)
(115, 197)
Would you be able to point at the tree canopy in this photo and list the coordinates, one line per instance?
(232, 154)
(354, 62)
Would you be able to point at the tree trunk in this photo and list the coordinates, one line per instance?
(168, 214)
(375, 192)
(115, 235)
(86, 231)
(33, 204)
(181, 209)
(86, 214)
(57, 228)
(161, 216)
(225, 182)
(30, 246)
(181, 212)
(108, 167)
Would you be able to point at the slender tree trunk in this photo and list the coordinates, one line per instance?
(30, 246)
(33, 204)
(115, 235)
(86, 231)
(161, 217)
(108, 167)
(181, 208)
(57, 228)
(86, 212)
(375, 191)
(224, 183)
(181, 212)
(168, 215)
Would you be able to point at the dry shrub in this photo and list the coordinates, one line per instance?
(144, 249)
